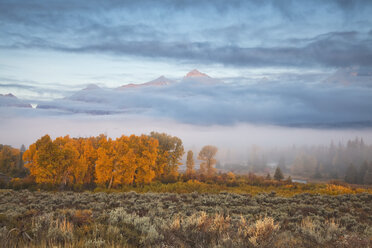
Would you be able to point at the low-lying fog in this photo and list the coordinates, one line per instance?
(237, 140)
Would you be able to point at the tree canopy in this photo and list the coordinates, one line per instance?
(207, 155)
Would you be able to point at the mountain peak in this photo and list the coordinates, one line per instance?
(91, 87)
(196, 73)
(162, 78)
(8, 95)
(160, 81)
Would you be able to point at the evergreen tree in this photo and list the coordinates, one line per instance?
(368, 176)
(362, 172)
(278, 174)
(317, 173)
(351, 174)
(268, 177)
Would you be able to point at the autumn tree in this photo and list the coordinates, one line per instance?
(170, 152)
(207, 155)
(231, 176)
(87, 159)
(107, 171)
(42, 159)
(55, 162)
(190, 164)
(71, 168)
(278, 175)
(145, 151)
(126, 160)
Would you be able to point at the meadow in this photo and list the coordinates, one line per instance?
(224, 219)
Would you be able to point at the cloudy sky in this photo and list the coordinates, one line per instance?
(117, 42)
(286, 63)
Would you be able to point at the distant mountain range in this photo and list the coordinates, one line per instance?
(193, 76)
(341, 100)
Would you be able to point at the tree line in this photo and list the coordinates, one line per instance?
(137, 160)
(127, 160)
(350, 161)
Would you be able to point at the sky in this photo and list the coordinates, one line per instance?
(117, 42)
(282, 63)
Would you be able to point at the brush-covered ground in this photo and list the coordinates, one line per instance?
(71, 219)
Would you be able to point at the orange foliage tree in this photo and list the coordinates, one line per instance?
(190, 164)
(42, 161)
(170, 153)
(127, 160)
(146, 152)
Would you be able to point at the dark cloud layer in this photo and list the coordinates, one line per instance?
(235, 33)
(335, 50)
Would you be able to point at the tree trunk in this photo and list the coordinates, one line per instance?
(110, 184)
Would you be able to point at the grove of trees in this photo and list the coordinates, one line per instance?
(127, 160)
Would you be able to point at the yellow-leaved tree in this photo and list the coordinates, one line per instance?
(87, 159)
(126, 160)
(42, 159)
(145, 150)
(106, 170)
(190, 164)
(169, 156)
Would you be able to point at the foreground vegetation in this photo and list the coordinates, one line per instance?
(70, 219)
(128, 192)
(282, 189)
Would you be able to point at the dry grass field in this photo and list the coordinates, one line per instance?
(70, 219)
